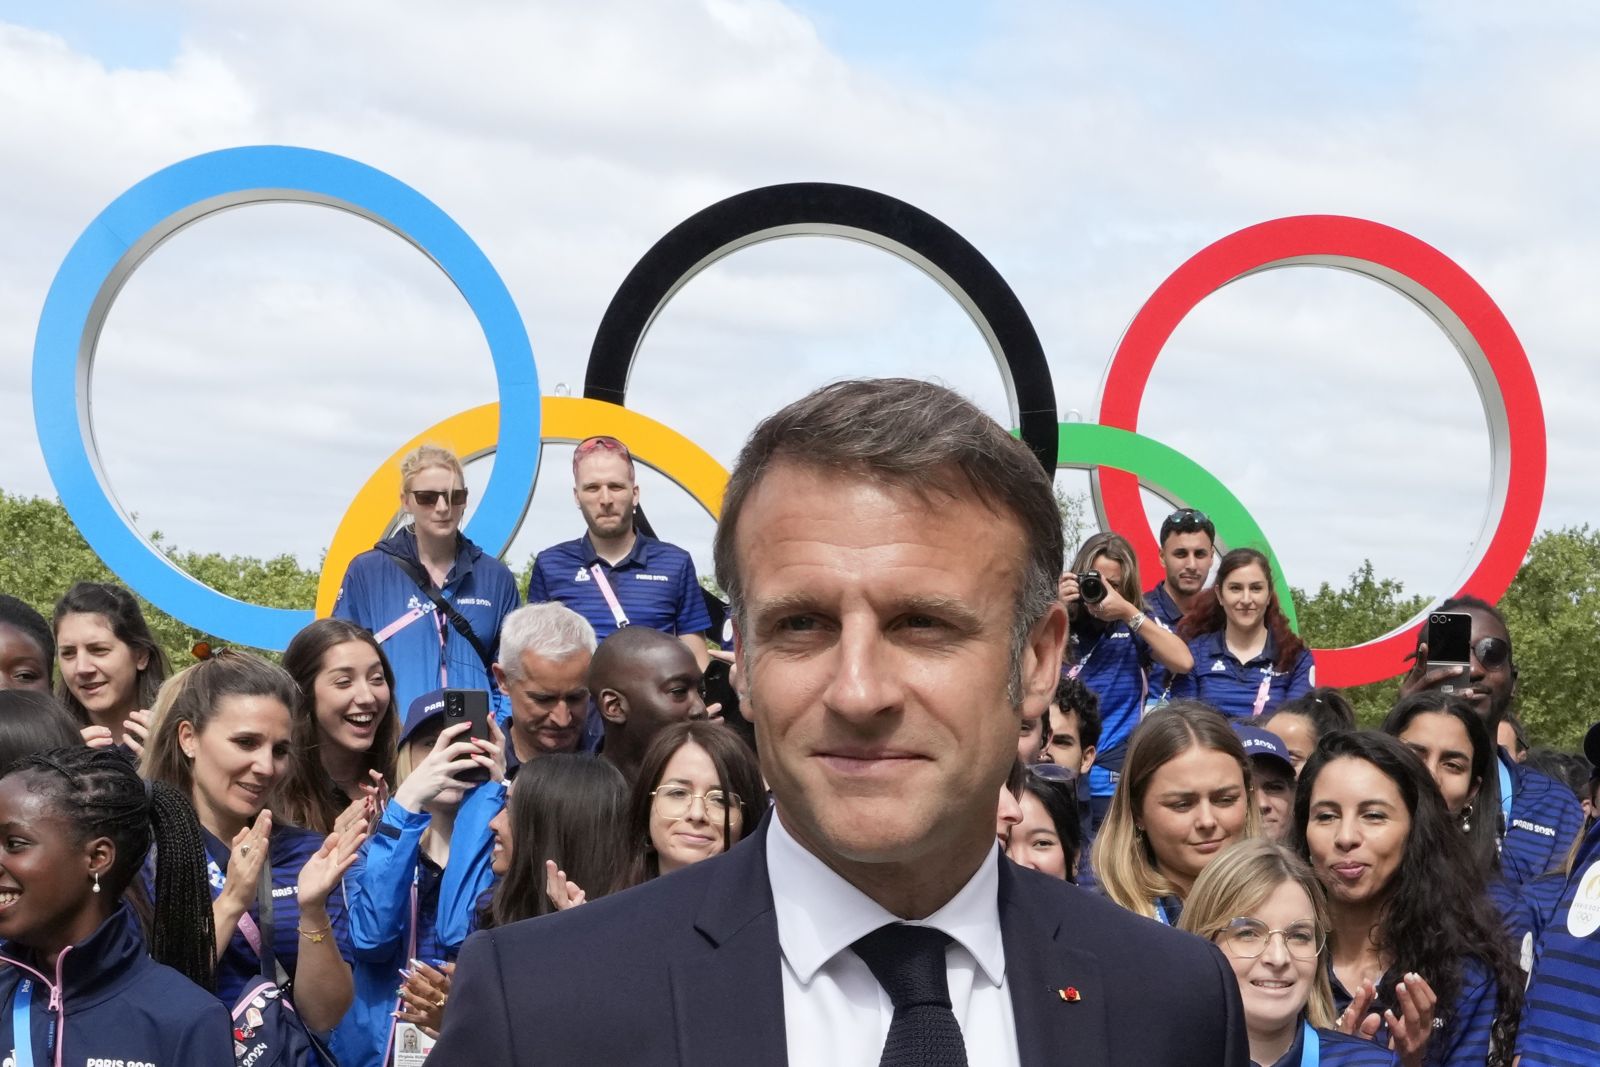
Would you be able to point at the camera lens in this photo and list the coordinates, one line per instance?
(1091, 587)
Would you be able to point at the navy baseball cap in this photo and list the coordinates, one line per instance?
(1262, 744)
(423, 710)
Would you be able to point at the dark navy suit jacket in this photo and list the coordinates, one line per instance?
(685, 971)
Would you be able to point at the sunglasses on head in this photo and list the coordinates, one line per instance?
(1185, 520)
(599, 444)
(428, 498)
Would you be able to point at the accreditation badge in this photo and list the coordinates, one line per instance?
(411, 1045)
(1583, 918)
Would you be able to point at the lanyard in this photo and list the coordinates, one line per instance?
(1505, 794)
(1161, 913)
(1310, 1048)
(21, 1030)
(618, 616)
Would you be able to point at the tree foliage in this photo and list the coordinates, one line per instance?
(1553, 611)
(42, 554)
(1365, 607)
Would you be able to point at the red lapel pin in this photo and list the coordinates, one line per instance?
(1069, 994)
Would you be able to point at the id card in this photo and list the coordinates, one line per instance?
(411, 1045)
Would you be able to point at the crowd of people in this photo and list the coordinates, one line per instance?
(313, 860)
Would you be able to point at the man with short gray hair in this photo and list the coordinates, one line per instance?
(543, 669)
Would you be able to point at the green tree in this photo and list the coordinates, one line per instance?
(1553, 612)
(42, 554)
(1365, 607)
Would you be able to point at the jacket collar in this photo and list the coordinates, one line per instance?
(1217, 646)
(96, 967)
(1057, 997)
(403, 543)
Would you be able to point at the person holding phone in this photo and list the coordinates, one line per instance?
(395, 891)
(1246, 659)
(1538, 819)
(434, 600)
(1111, 646)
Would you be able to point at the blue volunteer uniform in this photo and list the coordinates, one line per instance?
(1561, 1022)
(287, 850)
(383, 922)
(1113, 666)
(1463, 1040)
(424, 649)
(1332, 1049)
(107, 1002)
(1158, 604)
(1543, 822)
(655, 584)
(1240, 690)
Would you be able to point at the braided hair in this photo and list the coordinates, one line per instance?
(98, 791)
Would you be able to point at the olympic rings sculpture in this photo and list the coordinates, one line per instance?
(1120, 459)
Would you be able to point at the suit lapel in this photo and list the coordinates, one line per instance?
(1057, 996)
(728, 995)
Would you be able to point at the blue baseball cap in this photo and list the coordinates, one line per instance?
(423, 710)
(1262, 744)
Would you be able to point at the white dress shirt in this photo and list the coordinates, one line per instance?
(835, 1012)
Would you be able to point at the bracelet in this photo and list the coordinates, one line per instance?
(1136, 622)
(316, 937)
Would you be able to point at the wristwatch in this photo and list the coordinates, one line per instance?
(1136, 622)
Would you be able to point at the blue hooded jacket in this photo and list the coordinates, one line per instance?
(377, 595)
(379, 909)
(107, 1001)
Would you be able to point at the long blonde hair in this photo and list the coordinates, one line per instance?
(1123, 861)
(1238, 881)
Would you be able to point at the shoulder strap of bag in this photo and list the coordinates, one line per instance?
(271, 969)
(459, 621)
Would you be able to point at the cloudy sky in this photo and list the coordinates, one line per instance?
(260, 364)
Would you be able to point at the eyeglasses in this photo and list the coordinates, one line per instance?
(1053, 772)
(1492, 652)
(428, 498)
(674, 801)
(1247, 938)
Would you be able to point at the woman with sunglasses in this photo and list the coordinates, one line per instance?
(1246, 659)
(1260, 904)
(432, 598)
(1539, 818)
(698, 791)
(1420, 961)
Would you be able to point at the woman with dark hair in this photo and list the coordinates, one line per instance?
(32, 722)
(1261, 905)
(345, 723)
(1302, 721)
(224, 743)
(1414, 937)
(1455, 746)
(698, 791)
(111, 666)
(27, 648)
(1112, 644)
(1246, 659)
(1047, 837)
(78, 826)
(564, 818)
(1184, 797)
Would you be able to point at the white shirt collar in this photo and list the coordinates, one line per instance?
(820, 914)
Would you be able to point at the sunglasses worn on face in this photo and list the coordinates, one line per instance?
(428, 498)
(1492, 652)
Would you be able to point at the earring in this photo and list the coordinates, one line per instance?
(1466, 818)
(97, 881)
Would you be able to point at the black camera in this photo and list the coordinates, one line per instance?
(1091, 587)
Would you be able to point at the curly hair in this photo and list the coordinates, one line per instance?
(1436, 916)
(1207, 616)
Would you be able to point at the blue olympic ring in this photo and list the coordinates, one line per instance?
(123, 236)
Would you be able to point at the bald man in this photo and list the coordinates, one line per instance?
(642, 680)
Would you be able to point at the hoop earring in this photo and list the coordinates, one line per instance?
(97, 881)
(1466, 818)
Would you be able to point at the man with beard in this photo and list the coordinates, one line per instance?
(1188, 545)
(613, 575)
(1539, 816)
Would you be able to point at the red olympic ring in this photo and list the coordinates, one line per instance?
(1451, 297)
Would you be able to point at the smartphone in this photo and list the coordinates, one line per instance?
(717, 689)
(1450, 645)
(472, 706)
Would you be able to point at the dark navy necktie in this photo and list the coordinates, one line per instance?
(908, 961)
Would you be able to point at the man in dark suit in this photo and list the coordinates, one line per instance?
(891, 555)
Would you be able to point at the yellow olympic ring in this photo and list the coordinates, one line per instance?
(472, 433)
